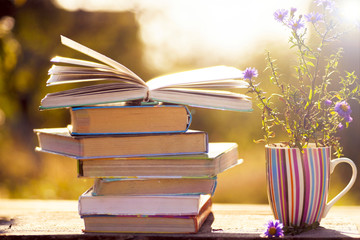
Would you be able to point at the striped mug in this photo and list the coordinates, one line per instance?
(298, 183)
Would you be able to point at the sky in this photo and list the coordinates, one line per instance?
(209, 32)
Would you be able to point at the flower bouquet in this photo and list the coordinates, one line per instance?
(309, 108)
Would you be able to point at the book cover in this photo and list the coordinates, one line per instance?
(221, 156)
(141, 204)
(207, 87)
(114, 119)
(60, 141)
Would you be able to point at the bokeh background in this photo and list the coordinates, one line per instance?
(151, 38)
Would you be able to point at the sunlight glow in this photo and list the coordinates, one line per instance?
(202, 32)
(350, 10)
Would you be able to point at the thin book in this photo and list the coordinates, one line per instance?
(139, 119)
(220, 157)
(60, 141)
(147, 223)
(141, 204)
(154, 186)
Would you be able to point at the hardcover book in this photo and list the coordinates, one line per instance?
(154, 186)
(90, 120)
(147, 223)
(141, 204)
(113, 82)
(220, 157)
(59, 141)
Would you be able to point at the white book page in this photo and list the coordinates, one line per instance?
(209, 74)
(78, 62)
(94, 94)
(220, 84)
(100, 57)
(71, 78)
(74, 74)
(203, 98)
(55, 69)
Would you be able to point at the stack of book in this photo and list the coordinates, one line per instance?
(151, 172)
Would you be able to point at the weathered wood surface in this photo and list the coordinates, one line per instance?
(58, 219)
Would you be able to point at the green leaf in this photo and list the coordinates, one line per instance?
(310, 64)
(355, 90)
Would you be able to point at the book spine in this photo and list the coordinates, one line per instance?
(203, 215)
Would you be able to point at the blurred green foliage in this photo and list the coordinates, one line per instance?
(29, 37)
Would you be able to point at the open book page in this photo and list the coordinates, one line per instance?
(93, 94)
(217, 84)
(201, 78)
(83, 63)
(71, 74)
(224, 100)
(100, 57)
(203, 88)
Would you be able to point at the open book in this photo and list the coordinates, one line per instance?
(113, 82)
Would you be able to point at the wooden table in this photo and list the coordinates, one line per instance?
(58, 219)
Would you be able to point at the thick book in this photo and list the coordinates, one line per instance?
(154, 186)
(141, 204)
(147, 223)
(90, 120)
(220, 157)
(60, 141)
(109, 81)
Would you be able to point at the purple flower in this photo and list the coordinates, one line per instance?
(313, 17)
(328, 4)
(296, 24)
(274, 229)
(249, 73)
(343, 109)
(348, 119)
(340, 126)
(280, 14)
(328, 102)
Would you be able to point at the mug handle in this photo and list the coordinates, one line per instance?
(333, 164)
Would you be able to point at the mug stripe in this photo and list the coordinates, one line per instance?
(319, 162)
(312, 187)
(307, 187)
(275, 183)
(283, 182)
(299, 186)
(271, 183)
(324, 176)
(277, 160)
(290, 179)
(317, 183)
